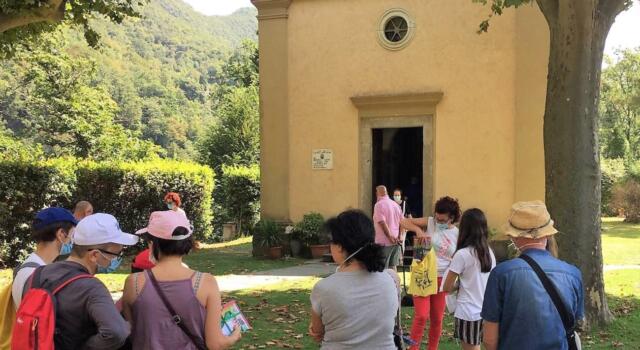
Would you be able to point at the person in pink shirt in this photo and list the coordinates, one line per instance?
(386, 217)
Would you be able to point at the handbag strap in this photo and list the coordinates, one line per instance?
(567, 318)
(197, 341)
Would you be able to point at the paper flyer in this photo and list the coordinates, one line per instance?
(232, 316)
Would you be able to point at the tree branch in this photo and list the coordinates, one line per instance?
(549, 9)
(611, 8)
(53, 12)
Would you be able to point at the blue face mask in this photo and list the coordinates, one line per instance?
(66, 248)
(115, 263)
(442, 227)
(170, 206)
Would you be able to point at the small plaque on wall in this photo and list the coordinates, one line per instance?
(322, 159)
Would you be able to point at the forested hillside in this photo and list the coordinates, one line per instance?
(151, 88)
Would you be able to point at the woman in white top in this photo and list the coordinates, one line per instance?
(443, 236)
(471, 264)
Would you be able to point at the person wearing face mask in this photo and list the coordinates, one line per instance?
(86, 317)
(173, 202)
(52, 230)
(442, 235)
(518, 312)
(355, 307)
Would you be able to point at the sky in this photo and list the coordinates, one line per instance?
(625, 32)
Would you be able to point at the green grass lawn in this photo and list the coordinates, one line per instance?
(620, 242)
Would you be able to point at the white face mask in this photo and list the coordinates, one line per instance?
(397, 198)
(347, 259)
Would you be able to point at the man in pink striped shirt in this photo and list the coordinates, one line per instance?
(386, 217)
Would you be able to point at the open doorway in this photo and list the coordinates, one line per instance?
(397, 163)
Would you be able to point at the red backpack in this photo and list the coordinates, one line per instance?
(36, 317)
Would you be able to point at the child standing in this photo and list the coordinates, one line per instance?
(471, 264)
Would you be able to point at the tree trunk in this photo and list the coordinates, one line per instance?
(578, 31)
(53, 12)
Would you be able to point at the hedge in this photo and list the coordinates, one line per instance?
(238, 192)
(129, 191)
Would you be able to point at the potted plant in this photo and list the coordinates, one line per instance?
(310, 229)
(267, 233)
(295, 241)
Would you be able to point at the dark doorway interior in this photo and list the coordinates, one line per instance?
(397, 163)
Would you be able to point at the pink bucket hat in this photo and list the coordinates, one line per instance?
(163, 223)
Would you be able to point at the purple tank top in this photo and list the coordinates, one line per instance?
(152, 326)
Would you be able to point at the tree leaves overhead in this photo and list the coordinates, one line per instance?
(160, 76)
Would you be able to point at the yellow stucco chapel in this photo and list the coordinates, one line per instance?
(402, 93)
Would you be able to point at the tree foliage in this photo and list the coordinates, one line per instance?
(20, 19)
(158, 77)
(50, 101)
(620, 107)
(235, 138)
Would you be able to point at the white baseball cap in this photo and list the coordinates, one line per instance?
(101, 229)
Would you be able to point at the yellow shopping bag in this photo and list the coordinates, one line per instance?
(424, 275)
(8, 314)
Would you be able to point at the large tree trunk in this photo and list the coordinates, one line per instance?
(572, 167)
(53, 12)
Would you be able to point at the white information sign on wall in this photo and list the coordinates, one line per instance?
(322, 159)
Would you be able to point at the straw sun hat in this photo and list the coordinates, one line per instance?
(530, 220)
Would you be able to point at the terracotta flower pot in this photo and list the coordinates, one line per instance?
(317, 251)
(275, 253)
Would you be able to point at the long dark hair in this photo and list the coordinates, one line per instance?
(352, 230)
(474, 232)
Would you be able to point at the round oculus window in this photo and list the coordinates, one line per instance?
(395, 29)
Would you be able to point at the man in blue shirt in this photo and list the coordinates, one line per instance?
(518, 312)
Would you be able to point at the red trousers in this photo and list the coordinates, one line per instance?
(428, 308)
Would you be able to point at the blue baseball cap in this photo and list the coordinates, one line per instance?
(52, 215)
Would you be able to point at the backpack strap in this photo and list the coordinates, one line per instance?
(567, 318)
(24, 265)
(72, 279)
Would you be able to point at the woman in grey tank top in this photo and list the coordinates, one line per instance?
(354, 308)
(193, 295)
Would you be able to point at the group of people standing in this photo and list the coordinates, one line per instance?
(166, 306)
(504, 306)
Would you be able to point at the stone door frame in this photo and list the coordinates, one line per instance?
(396, 111)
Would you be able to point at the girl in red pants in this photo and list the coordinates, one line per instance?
(443, 235)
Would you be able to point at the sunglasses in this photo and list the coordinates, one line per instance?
(117, 255)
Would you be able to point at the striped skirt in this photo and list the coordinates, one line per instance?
(469, 332)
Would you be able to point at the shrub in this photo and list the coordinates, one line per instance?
(266, 233)
(613, 171)
(238, 194)
(310, 228)
(626, 196)
(25, 188)
(129, 191)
